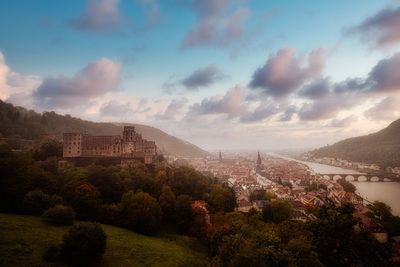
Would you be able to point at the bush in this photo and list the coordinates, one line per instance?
(35, 202)
(84, 244)
(60, 214)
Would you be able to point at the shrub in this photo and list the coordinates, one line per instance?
(60, 214)
(35, 202)
(84, 244)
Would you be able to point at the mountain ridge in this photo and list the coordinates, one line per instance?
(20, 122)
(382, 147)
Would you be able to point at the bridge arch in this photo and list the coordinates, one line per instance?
(375, 179)
(351, 177)
(337, 177)
(362, 178)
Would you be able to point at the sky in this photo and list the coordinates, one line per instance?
(222, 74)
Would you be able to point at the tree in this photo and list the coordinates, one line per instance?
(49, 148)
(84, 244)
(107, 182)
(187, 181)
(254, 248)
(60, 214)
(258, 194)
(380, 210)
(336, 242)
(84, 198)
(383, 213)
(281, 210)
(222, 198)
(167, 203)
(347, 186)
(183, 212)
(140, 212)
(35, 202)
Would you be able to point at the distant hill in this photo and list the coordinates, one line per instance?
(28, 124)
(382, 147)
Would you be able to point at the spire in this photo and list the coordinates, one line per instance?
(220, 157)
(258, 158)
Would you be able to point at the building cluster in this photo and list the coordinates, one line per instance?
(129, 149)
(284, 179)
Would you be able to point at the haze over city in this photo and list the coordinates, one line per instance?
(221, 74)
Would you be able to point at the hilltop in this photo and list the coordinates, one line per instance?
(382, 147)
(28, 124)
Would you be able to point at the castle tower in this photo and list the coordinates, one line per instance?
(129, 134)
(129, 137)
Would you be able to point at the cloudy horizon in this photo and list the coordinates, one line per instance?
(221, 74)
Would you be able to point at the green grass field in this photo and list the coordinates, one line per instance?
(23, 240)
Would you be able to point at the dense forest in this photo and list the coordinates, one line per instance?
(18, 122)
(148, 199)
(382, 147)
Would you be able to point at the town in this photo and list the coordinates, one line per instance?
(283, 179)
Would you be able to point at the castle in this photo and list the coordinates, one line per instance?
(129, 149)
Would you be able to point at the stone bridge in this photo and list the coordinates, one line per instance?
(357, 177)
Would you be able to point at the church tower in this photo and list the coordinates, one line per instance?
(258, 159)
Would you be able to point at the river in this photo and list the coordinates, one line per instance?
(387, 192)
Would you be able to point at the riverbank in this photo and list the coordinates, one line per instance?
(387, 192)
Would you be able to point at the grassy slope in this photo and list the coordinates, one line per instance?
(23, 240)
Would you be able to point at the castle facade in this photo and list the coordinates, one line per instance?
(131, 147)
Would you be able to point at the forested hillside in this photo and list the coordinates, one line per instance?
(382, 147)
(28, 124)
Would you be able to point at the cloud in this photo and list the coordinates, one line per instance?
(382, 29)
(96, 79)
(316, 89)
(232, 104)
(386, 109)
(385, 75)
(99, 15)
(325, 108)
(263, 111)
(288, 113)
(203, 77)
(16, 88)
(215, 25)
(351, 85)
(284, 72)
(343, 123)
(115, 109)
(173, 109)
